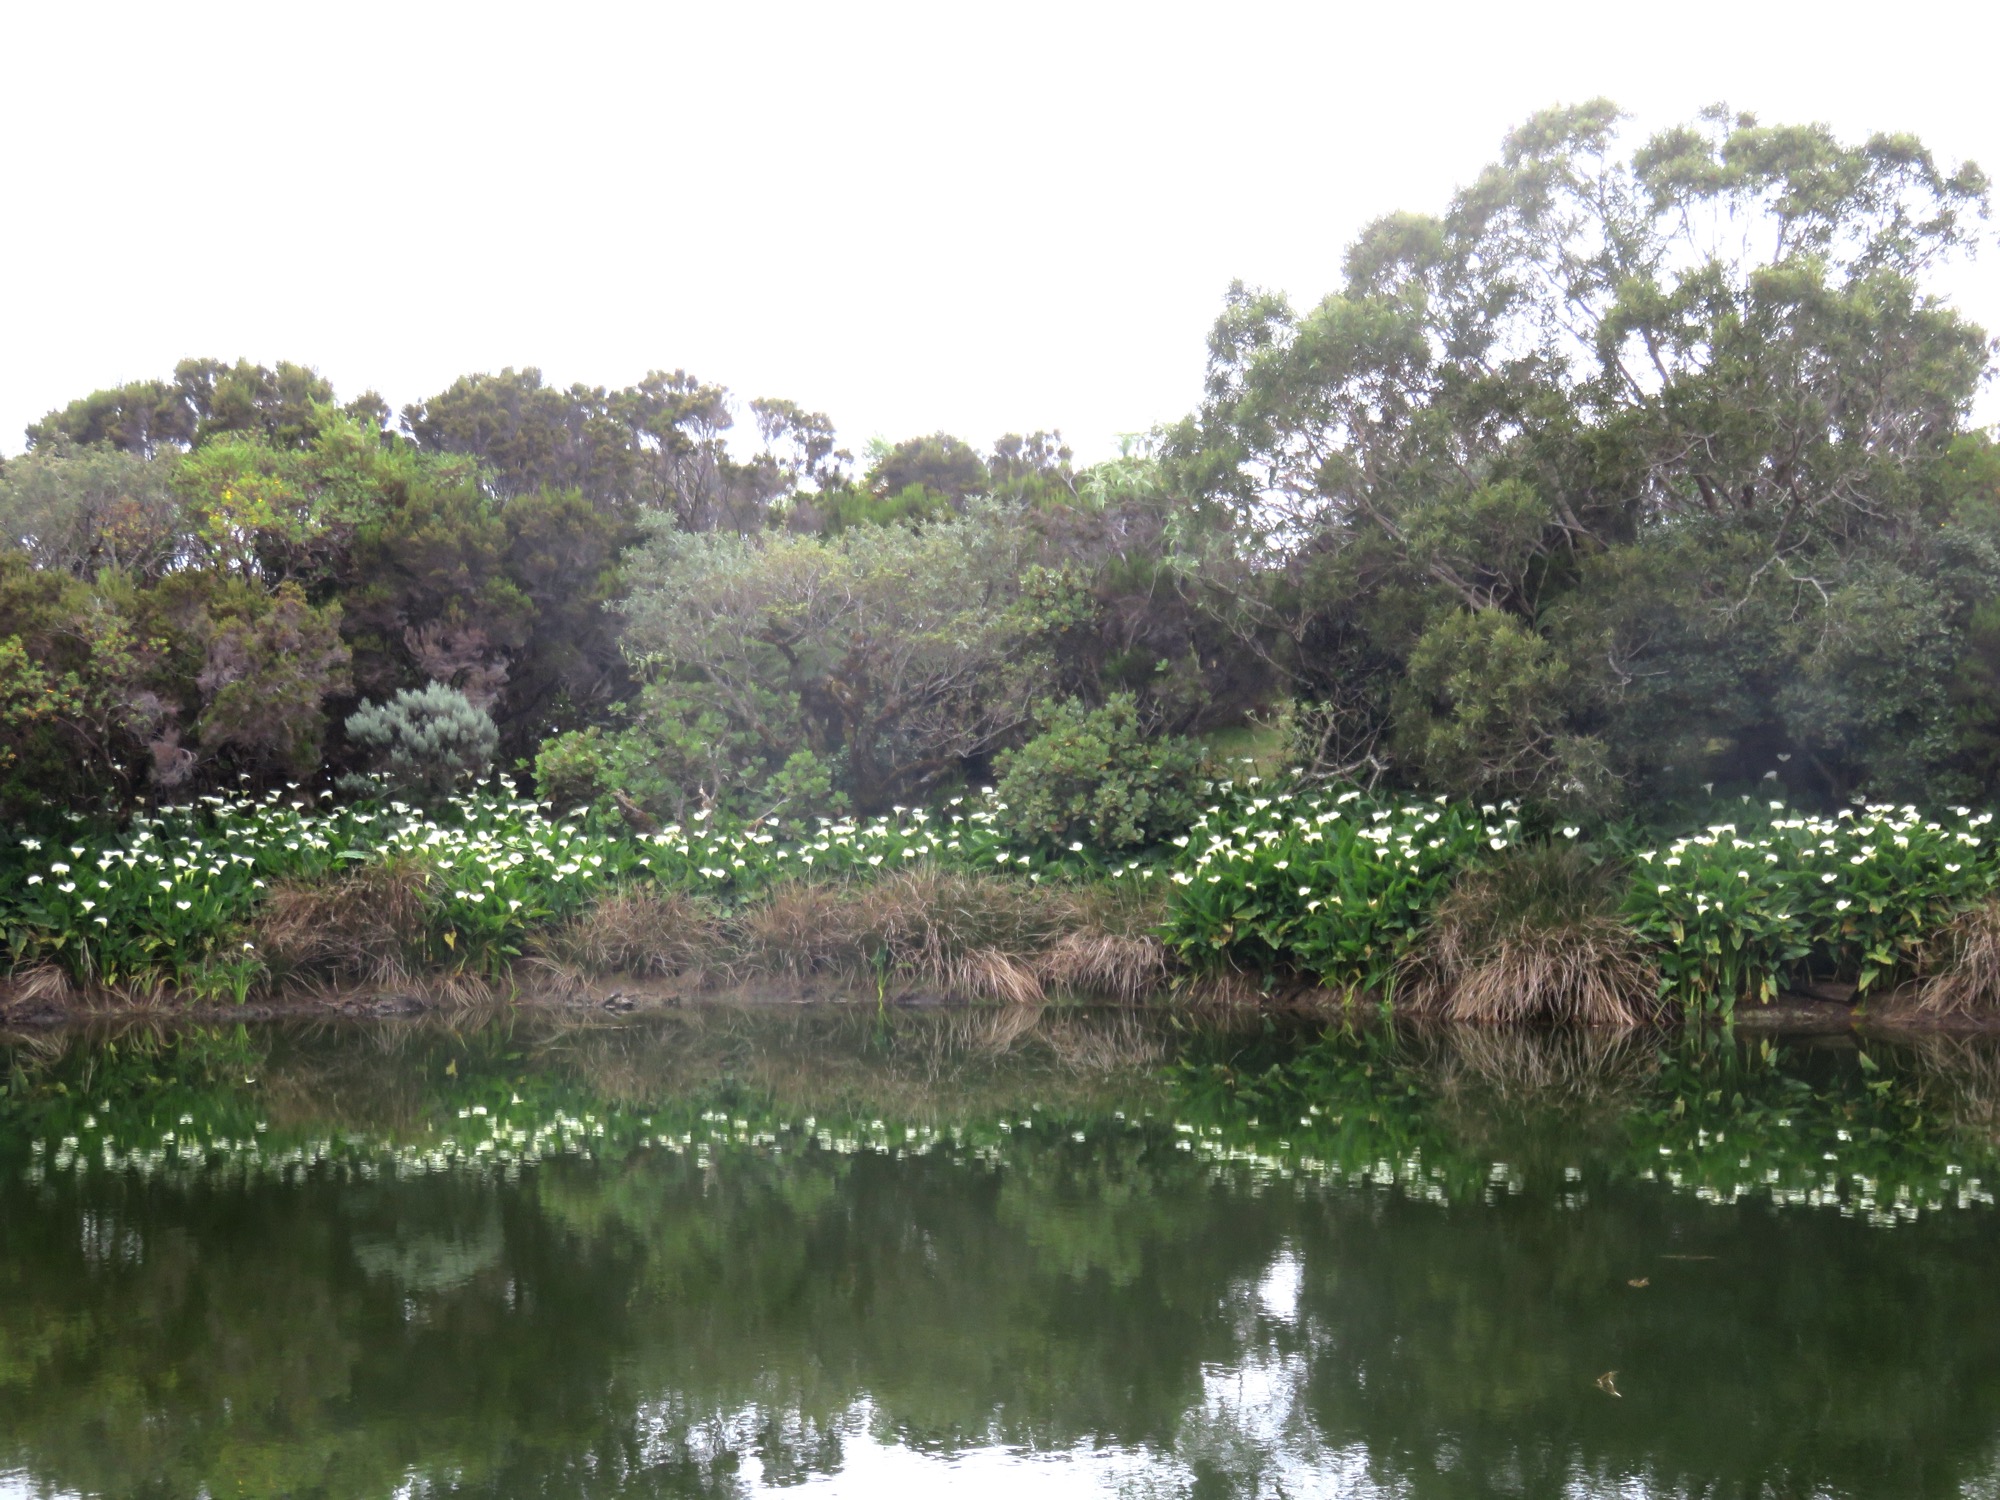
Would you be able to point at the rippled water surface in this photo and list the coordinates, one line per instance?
(725, 1253)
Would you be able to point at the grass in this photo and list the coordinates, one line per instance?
(965, 934)
(1536, 935)
(1960, 966)
(364, 925)
(643, 931)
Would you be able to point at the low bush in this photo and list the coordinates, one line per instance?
(1093, 776)
(427, 742)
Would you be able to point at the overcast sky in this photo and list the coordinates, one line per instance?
(980, 218)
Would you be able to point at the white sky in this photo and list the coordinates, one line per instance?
(974, 217)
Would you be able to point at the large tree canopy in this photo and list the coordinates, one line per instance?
(1629, 470)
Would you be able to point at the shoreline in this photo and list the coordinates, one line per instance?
(617, 995)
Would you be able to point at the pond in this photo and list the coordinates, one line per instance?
(845, 1252)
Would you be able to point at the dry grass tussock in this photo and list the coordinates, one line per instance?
(47, 986)
(1960, 966)
(365, 926)
(980, 936)
(1535, 936)
(647, 933)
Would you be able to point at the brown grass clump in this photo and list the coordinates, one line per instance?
(43, 984)
(978, 936)
(1537, 935)
(973, 935)
(365, 926)
(1960, 966)
(643, 932)
(799, 930)
(1104, 963)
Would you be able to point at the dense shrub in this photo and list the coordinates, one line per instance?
(427, 741)
(1092, 775)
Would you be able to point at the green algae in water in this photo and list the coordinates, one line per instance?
(724, 1253)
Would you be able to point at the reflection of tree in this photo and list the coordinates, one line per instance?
(660, 1318)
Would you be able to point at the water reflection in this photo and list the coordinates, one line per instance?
(719, 1253)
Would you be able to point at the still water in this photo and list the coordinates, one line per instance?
(727, 1253)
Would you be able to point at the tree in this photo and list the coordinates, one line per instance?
(204, 397)
(1095, 773)
(661, 444)
(940, 463)
(80, 510)
(884, 651)
(1660, 411)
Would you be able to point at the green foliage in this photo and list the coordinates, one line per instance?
(1093, 775)
(80, 510)
(1336, 886)
(883, 650)
(1745, 906)
(1585, 505)
(939, 464)
(168, 899)
(428, 741)
(205, 397)
(574, 770)
(1481, 709)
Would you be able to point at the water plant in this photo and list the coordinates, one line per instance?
(1336, 884)
(1740, 908)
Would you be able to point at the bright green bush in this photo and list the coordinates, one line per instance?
(427, 741)
(574, 769)
(1093, 776)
